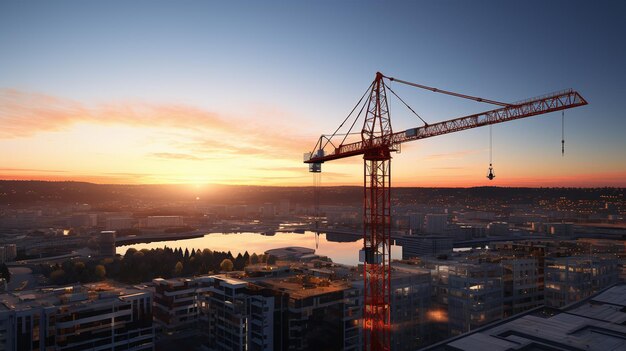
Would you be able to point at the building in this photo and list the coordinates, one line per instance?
(117, 223)
(161, 221)
(498, 229)
(262, 312)
(523, 284)
(410, 303)
(83, 220)
(290, 253)
(10, 252)
(416, 222)
(315, 313)
(597, 323)
(571, 279)
(468, 232)
(284, 207)
(419, 245)
(106, 243)
(268, 210)
(235, 315)
(175, 305)
(436, 223)
(88, 317)
(560, 229)
(475, 296)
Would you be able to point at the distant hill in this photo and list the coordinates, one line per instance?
(24, 192)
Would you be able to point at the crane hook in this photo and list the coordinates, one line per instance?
(491, 174)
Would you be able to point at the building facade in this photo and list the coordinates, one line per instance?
(90, 317)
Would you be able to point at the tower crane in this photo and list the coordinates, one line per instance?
(378, 141)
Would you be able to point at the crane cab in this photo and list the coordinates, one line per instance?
(315, 167)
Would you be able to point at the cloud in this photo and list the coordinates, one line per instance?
(24, 114)
(452, 167)
(452, 155)
(31, 170)
(197, 133)
(177, 156)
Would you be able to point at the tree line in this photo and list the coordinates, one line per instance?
(138, 266)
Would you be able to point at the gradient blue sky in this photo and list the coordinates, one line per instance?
(285, 72)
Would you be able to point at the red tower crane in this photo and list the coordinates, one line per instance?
(377, 142)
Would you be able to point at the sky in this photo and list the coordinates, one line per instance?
(208, 92)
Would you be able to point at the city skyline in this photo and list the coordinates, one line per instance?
(152, 92)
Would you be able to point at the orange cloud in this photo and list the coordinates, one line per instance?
(24, 114)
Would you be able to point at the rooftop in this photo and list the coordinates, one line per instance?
(299, 288)
(597, 323)
(64, 296)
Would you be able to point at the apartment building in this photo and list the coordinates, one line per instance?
(88, 317)
(570, 279)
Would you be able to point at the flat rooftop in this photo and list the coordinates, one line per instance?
(597, 323)
(64, 296)
(298, 289)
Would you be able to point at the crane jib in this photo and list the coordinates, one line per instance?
(531, 107)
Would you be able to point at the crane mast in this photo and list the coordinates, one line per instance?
(377, 142)
(376, 254)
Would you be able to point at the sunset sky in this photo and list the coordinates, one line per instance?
(235, 92)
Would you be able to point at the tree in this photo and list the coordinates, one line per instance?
(79, 267)
(226, 265)
(100, 272)
(254, 259)
(271, 259)
(4, 272)
(178, 269)
(130, 252)
(58, 276)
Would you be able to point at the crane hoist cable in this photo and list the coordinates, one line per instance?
(317, 182)
(562, 133)
(490, 173)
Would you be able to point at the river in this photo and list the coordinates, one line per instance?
(344, 251)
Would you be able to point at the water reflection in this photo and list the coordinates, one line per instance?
(340, 248)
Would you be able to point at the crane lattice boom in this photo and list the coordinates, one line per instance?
(531, 107)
